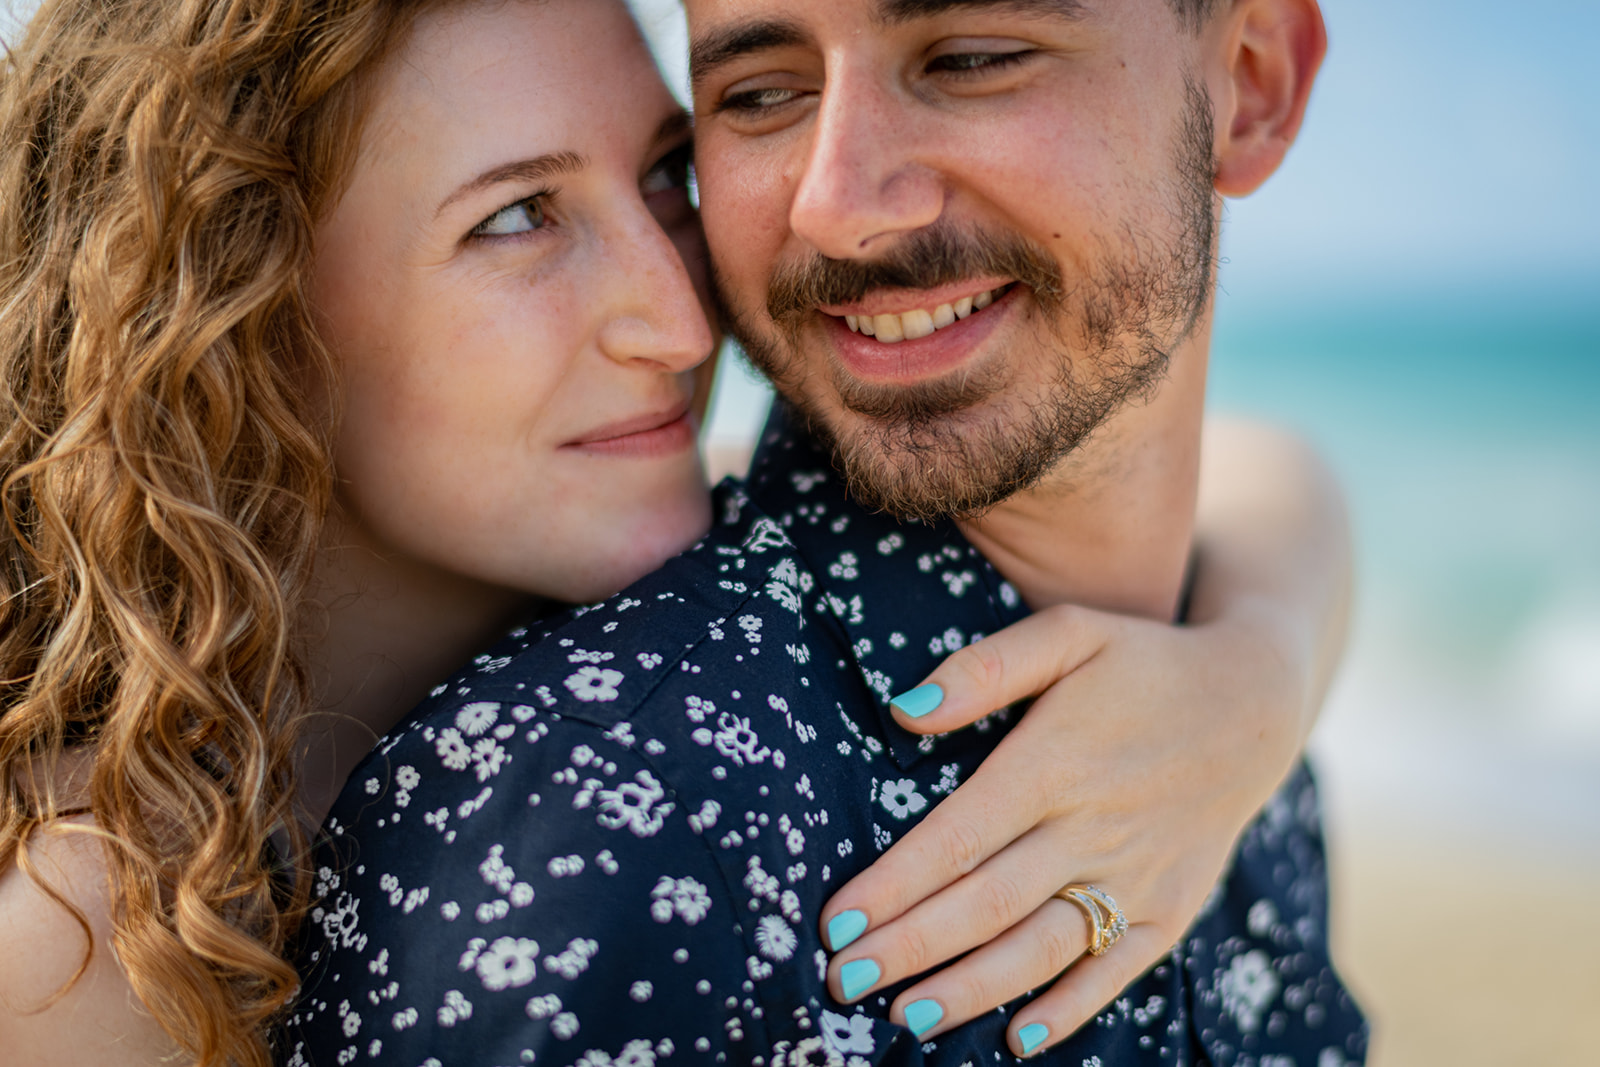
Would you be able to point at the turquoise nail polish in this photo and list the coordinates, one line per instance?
(845, 927)
(1032, 1036)
(920, 701)
(857, 977)
(923, 1015)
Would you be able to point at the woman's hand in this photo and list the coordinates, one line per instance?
(1148, 749)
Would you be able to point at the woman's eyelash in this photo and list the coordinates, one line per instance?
(537, 207)
(673, 168)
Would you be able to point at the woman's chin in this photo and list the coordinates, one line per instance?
(640, 551)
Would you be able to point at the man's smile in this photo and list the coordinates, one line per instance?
(893, 327)
(892, 346)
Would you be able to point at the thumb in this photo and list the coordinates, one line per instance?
(1021, 661)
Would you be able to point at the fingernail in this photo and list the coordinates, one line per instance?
(923, 1015)
(920, 701)
(845, 927)
(1032, 1036)
(857, 977)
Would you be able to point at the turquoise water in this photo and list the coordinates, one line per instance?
(1467, 434)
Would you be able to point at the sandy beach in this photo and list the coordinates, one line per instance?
(1466, 890)
(1468, 956)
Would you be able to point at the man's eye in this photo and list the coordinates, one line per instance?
(671, 173)
(754, 101)
(976, 62)
(524, 216)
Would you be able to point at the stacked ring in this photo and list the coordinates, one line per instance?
(1107, 924)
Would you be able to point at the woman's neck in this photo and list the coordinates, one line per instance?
(389, 630)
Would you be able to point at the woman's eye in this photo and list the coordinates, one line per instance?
(524, 216)
(976, 62)
(754, 101)
(670, 174)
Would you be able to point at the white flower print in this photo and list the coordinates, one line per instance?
(457, 1008)
(564, 1025)
(636, 1053)
(636, 805)
(738, 741)
(1263, 916)
(594, 683)
(1248, 988)
(487, 758)
(452, 750)
(786, 596)
(901, 799)
(775, 939)
(683, 897)
(475, 718)
(846, 1034)
(407, 777)
(575, 959)
(509, 963)
(810, 1052)
(543, 1007)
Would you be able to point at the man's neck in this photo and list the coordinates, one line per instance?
(1111, 526)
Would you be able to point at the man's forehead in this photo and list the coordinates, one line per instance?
(741, 27)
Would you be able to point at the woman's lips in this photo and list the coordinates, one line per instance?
(911, 360)
(659, 434)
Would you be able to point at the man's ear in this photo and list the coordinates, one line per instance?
(1270, 51)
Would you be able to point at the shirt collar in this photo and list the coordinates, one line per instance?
(905, 593)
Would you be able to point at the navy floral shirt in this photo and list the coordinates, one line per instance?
(608, 840)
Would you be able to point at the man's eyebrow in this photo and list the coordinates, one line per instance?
(892, 12)
(537, 169)
(725, 44)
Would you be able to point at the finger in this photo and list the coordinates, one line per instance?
(1020, 661)
(1045, 943)
(983, 816)
(1006, 890)
(1085, 990)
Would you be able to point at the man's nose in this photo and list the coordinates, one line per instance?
(865, 182)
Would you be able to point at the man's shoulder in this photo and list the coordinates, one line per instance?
(591, 671)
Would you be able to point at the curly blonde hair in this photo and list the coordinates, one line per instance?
(165, 463)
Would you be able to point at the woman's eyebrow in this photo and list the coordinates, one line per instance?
(539, 168)
(673, 127)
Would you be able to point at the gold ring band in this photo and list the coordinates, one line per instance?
(1107, 924)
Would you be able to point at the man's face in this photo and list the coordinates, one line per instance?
(960, 236)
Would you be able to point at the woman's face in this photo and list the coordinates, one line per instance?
(513, 283)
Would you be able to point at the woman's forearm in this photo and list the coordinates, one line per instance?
(1273, 548)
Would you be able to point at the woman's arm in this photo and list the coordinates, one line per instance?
(1148, 750)
(1273, 549)
(44, 1020)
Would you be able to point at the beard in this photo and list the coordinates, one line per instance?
(959, 445)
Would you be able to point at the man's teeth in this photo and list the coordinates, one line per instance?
(912, 325)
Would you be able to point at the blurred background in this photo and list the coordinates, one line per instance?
(1418, 292)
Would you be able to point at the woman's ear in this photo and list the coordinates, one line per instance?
(1269, 51)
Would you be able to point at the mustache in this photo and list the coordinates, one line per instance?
(937, 255)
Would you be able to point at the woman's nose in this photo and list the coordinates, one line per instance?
(658, 315)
